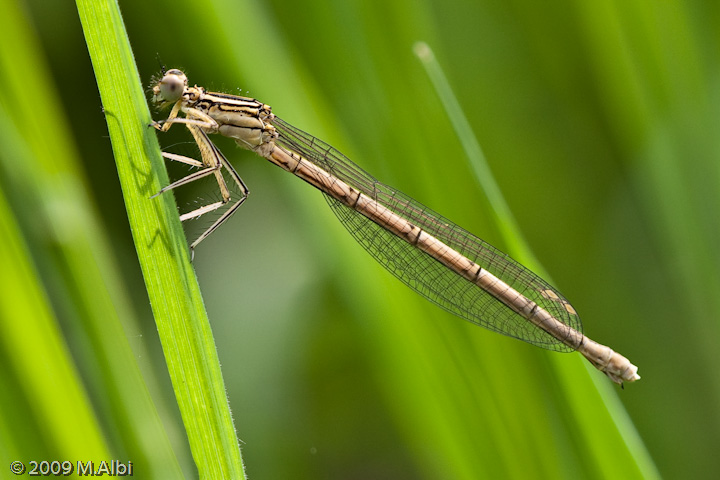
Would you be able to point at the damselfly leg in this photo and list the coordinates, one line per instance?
(213, 162)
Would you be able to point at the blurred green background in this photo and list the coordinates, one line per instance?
(599, 121)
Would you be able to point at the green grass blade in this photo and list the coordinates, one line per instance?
(161, 247)
(43, 385)
(72, 386)
(505, 220)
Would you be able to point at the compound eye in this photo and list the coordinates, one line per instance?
(172, 86)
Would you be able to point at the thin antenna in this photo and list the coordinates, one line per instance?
(162, 65)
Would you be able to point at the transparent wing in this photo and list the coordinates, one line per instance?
(419, 270)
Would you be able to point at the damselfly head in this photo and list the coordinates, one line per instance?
(170, 87)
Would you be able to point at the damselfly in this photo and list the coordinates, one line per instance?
(438, 259)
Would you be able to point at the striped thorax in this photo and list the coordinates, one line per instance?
(242, 118)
